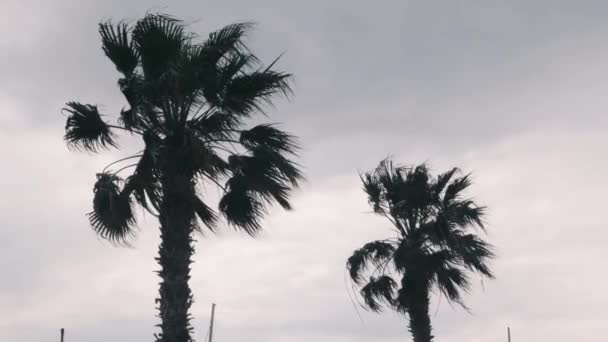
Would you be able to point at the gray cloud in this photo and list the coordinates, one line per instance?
(512, 90)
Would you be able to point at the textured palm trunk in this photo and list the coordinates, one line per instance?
(420, 322)
(175, 257)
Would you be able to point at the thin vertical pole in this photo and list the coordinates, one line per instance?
(211, 325)
(62, 334)
(508, 334)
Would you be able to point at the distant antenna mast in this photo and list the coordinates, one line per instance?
(62, 333)
(211, 324)
(508, 334)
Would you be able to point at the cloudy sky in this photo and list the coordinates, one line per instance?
(514, 91)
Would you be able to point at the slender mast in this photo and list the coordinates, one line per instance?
(211, 324)
(62, 333)
(508, 334)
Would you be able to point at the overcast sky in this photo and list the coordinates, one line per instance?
(514, 91)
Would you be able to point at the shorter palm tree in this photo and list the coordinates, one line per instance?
(435, 247)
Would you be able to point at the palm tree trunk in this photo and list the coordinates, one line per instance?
(175, 257)
(420, 321)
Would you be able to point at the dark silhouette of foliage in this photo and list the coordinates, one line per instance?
(436, 245)
(190, 102)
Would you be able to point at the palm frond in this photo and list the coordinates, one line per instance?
(214, 125)
(112, 216)
(385, 173)
(146, 191)
(240, 207)
(466, 213)
(454, 190)
(86, 129)
(374, 191)
(452, 281)
(249, 92)
(267, 174)
(233, 65)
(159, 40)
(207, 215)
(443, 180)
(265, 178)
(226, 40)
(473, 252)
(269, 137)
(116, 46)
(379, 291)
(412, 192)
(201, 158)
(277, 165)
(144, 184)
(374, 252)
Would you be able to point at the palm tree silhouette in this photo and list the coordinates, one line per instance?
(435, 246)
(189, 101)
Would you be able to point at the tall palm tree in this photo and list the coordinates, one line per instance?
(190, 102)
(435, 246)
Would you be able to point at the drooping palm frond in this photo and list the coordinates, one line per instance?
(112, 216)
(116, 45)
(144, 183)
(267, 175)
(465, 213)
(241, 208)
(86, 129)
(376, 252)
(205, 214)
(452, 281)
(276, 164)
(377, 291)
(473, 252)
(268, 136)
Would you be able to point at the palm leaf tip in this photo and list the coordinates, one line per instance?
(86, 129)
(112, 216)
(117, 47)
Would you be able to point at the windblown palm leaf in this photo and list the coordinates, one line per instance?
(86, 129)
(112, 216)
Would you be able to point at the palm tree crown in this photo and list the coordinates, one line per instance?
(435, 246)
(189, 102)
